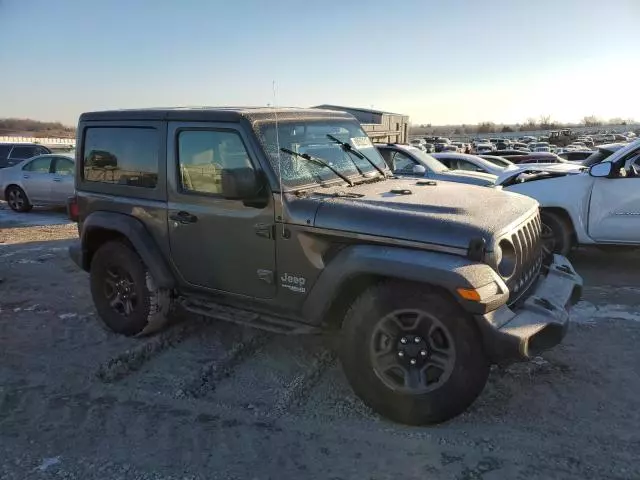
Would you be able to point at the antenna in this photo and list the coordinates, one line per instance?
(275, 114)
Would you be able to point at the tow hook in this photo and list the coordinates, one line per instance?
(544, 303)
(565, 269)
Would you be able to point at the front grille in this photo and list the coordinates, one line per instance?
(528, 248)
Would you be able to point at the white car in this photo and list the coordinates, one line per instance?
(484, 148)
(471, 163)
(418, 143)
(41, 180)
(540, 147)
(595, 205)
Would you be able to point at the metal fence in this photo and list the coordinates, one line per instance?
(539, 133)
(71, 142)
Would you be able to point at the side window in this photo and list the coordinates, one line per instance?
(631, 165)
(22, 153)
(63, 166)
(121, 155)
(448, 162)
(4, 151)
(402, 163)
(464, 165)
(204, 154)
(38, 165)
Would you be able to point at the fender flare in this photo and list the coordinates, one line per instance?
(136, 233)
(446, 271)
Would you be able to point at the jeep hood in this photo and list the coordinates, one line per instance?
(443, 213)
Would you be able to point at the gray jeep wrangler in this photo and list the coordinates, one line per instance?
(289, 220)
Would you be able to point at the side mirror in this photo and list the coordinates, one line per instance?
(601, 169)
(419, 170)
(240, 183)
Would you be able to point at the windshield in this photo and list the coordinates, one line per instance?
(597, 157)
(311, 137)
(499, 161)
(427, 160)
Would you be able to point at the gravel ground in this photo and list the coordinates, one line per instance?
(214, 400)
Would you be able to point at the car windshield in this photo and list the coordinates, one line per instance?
(499, 161)
(310, 137)
(597, 157)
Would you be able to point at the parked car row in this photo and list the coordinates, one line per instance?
(43, 179)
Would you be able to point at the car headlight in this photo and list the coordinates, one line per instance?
(506, 258)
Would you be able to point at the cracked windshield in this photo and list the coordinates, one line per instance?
(298, 240)
(314, 139)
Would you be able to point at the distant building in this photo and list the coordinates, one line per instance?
(382, 127)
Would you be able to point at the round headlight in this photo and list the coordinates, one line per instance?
(506, 258)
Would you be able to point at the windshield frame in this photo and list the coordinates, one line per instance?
(313, 180)
(600, 155)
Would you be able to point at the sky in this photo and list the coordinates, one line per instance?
(440, 62)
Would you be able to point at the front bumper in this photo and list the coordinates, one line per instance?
(537, 324)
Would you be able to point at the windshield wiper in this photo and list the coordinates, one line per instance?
(318, 161)
(348, 148)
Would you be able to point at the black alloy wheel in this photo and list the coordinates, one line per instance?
(412, 351)
(119, 290)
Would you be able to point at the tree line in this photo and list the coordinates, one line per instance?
(35, 128)
(544, 122)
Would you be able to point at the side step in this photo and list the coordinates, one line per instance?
(245, 317)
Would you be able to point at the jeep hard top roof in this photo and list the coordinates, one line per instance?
(223, 114)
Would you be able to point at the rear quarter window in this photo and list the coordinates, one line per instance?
(4, 151)
(22, 153)
(125, 156)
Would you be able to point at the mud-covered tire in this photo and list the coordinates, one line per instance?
(17, 199)
(152, 307)
(450, 395)
(557, 234)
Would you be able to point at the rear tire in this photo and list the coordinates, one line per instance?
(557, 234)
(442, 368)
(17, 199)
(124, 292)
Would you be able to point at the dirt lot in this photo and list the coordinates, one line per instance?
(214, 400)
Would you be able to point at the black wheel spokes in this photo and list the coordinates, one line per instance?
(412, 351)
(15, 199)
(119, 291)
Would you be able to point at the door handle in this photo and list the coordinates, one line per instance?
(183, 217)
(25, 176)
(57, 179)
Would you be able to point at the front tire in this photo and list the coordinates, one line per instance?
(18, 200)
(124, 292)
(557, 235)
(412, 354)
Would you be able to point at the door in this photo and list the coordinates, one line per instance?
(614, 210)
(62, 186)
(37, 178)
(217, 243)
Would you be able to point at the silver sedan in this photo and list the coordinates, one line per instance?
(41, 180)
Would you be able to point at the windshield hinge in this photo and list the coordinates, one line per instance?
(476, 249)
